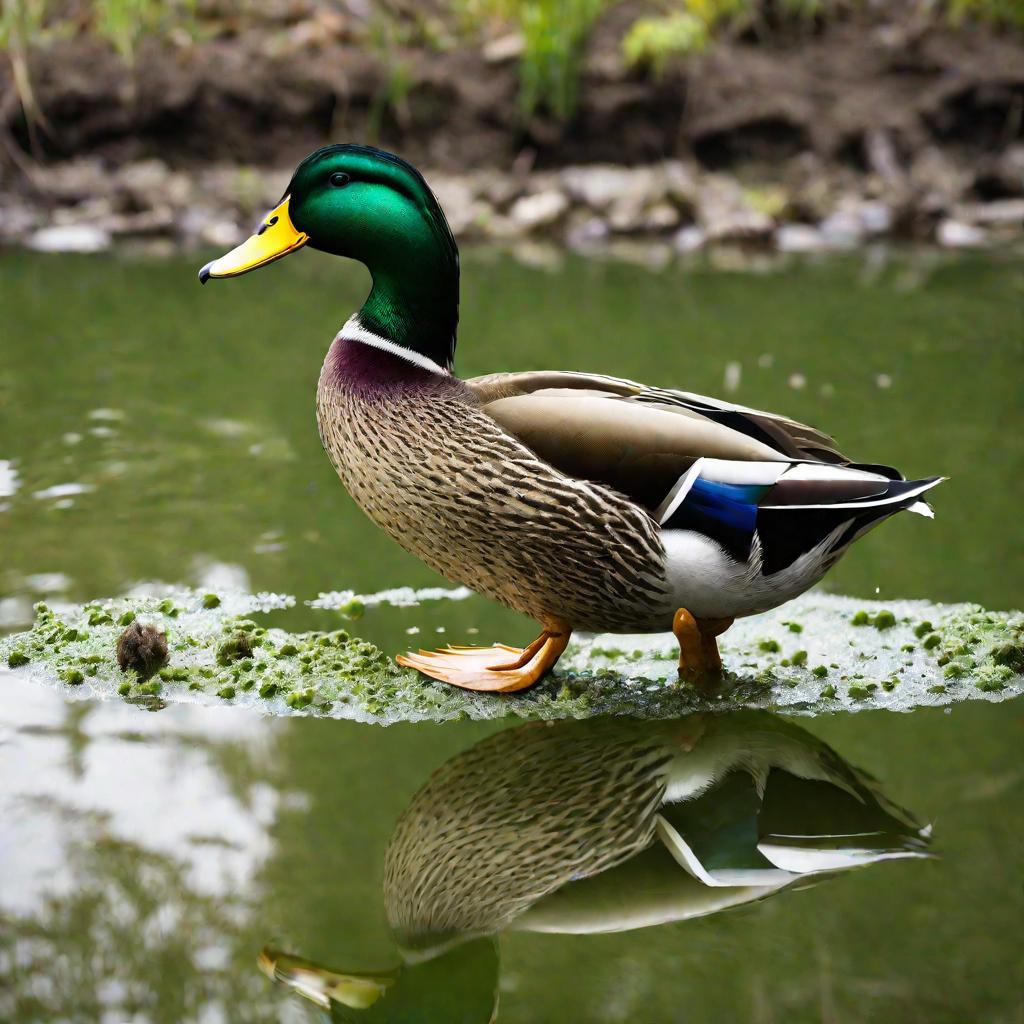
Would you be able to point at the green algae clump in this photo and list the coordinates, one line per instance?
(17, 658)
(1010, 655)
(237, 647)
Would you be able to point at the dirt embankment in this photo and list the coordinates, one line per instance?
(929, 121)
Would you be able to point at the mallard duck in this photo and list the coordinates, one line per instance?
(603, 826)
(583, 501)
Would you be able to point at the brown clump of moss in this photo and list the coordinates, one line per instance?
(142, 648)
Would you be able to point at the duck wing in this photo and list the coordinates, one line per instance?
(641, 440)
(698, 463)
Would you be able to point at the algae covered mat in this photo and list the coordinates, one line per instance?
(818, 654)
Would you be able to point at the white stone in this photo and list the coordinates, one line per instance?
(83, 238)
(841, 229)
(539, 210)
(458, 201)
(955, 234)
(799, 238)
(725, 213)
(601, 185)
(504, 48)
(588, 232)
(689, 238)
(997, 212)
(224, 234)
(660, 217)
(876, 217)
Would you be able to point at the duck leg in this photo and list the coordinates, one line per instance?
(497, 669)
(698, 649)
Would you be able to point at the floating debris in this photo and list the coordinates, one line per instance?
(397, 597)
(142, 649)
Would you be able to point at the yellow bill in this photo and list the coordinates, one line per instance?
(277, 236)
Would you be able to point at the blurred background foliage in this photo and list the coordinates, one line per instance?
(548, 36)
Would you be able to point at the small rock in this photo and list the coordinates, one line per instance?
(458, 200)
(799, 238)
(689, 238)
(148, 222)
(540, 210)
(224, 234)
(145, 179)
(725, 213)
(938, 180)
(504, 48)
(142, 648)
(82, 238)
(682, 184)
(17, 221)
(586, 233)
(660, 217)
(955, 234)
(597, 185)
(876, 217)
(601, 186)
(999, 213)
(841, 230)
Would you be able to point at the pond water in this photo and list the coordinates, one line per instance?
(160, 866)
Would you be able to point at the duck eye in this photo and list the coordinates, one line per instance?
(339, 179)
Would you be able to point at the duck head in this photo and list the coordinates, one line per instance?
(371, 206)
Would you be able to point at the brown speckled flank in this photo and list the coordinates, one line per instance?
(518, 816)
(504, 523)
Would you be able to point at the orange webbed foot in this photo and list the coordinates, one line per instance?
(497, 669)
(699, 660)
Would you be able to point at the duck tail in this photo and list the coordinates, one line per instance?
(789, 531)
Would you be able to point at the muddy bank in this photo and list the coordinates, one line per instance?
(819, 139)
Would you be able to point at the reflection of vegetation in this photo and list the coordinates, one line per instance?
(127, 937)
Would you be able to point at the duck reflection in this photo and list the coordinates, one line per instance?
(600, 826)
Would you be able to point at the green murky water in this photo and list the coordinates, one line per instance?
(156, 432)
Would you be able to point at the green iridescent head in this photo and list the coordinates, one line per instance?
(370, 206)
